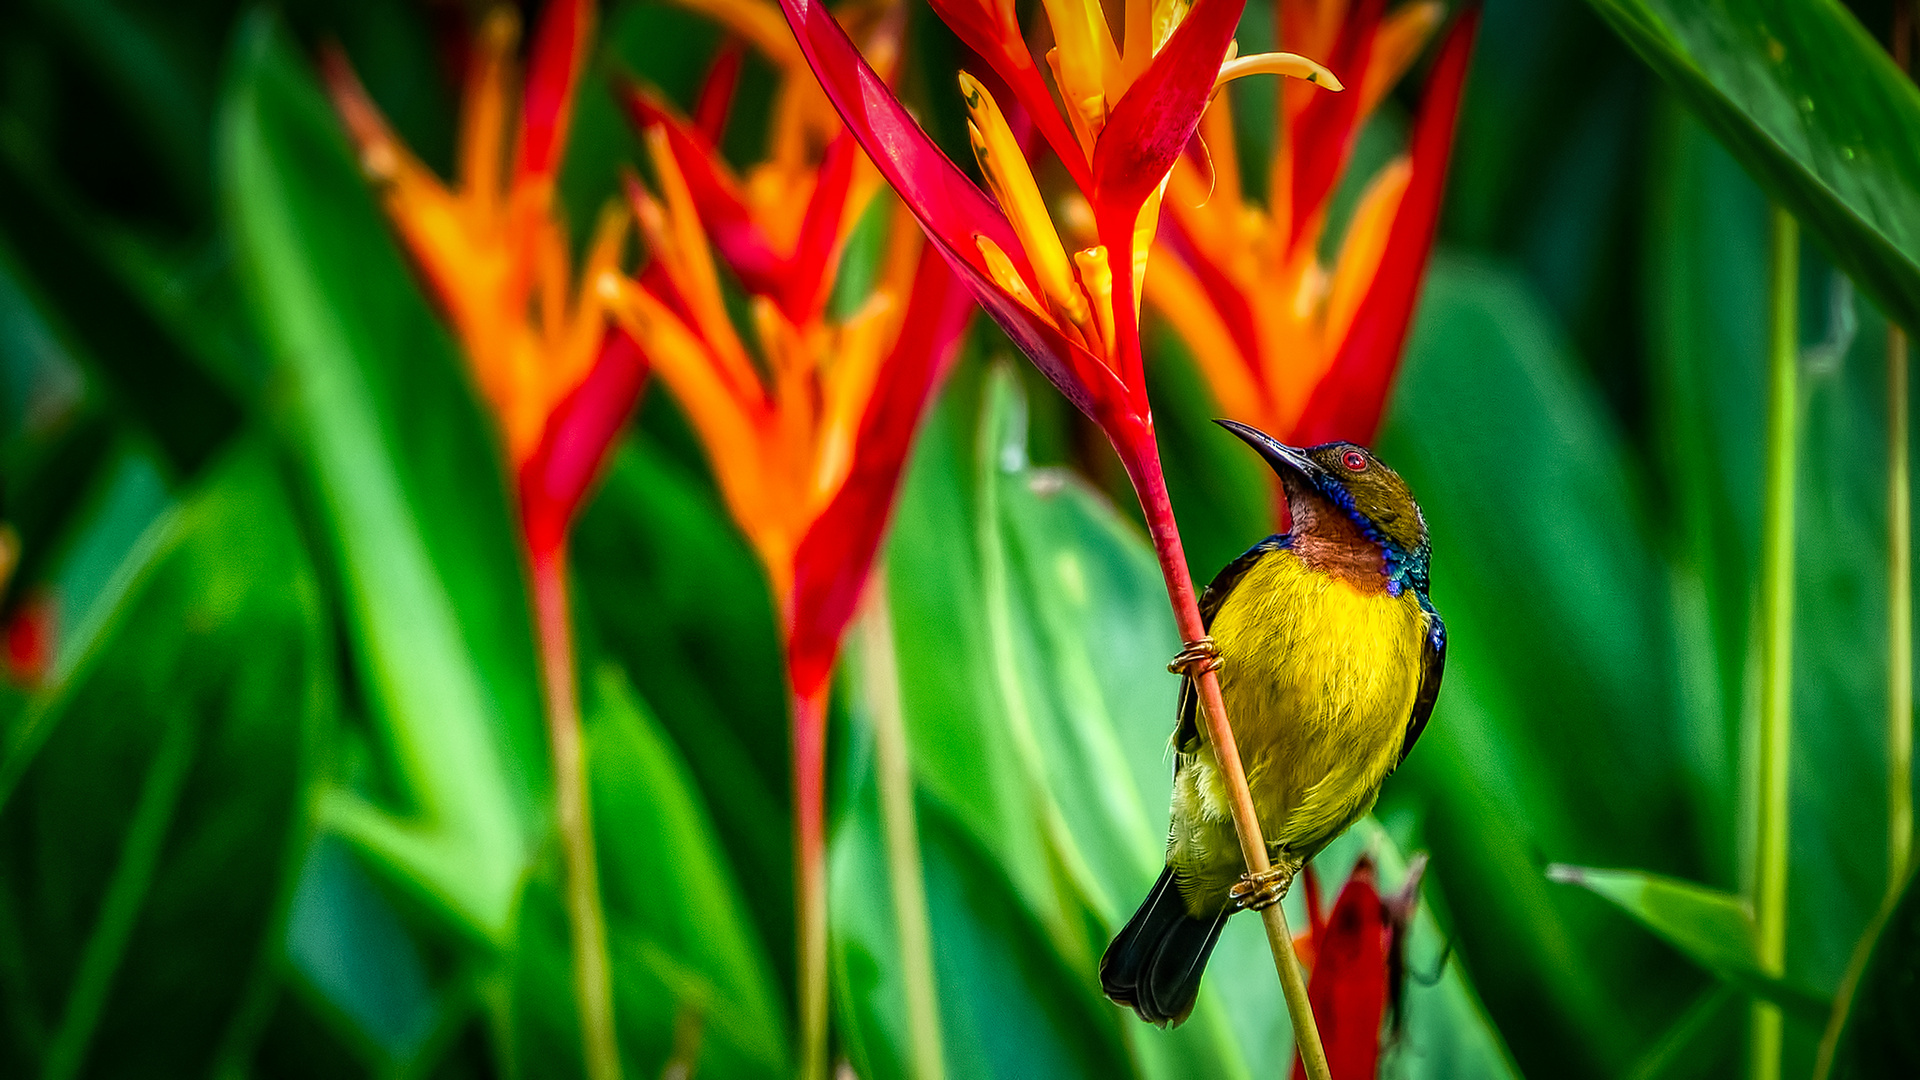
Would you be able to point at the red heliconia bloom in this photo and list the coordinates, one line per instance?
(1130, 110)
(1298, 347)
(493, 250)
(1356, 957)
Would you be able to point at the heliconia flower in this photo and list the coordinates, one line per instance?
(1357, 957)
(808, 447)
(808, 443)
(1130, 111)
(493, 251)
(1291, 344)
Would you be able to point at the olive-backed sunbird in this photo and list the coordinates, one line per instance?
(1329, 656)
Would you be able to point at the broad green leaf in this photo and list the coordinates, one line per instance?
(681, 937)
(1712, 927)
(151, 800)
(1706, 292)
(669, 589)
(1010, 1005)
(407, 490)
(1814, 108)
(1554, 729)
(684, 954)
(351, 950)
(1876, 1035)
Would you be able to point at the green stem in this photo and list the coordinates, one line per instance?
(1899, 618)
(592, 972)
(881, 675)
(1776, 647)
(1899, 566)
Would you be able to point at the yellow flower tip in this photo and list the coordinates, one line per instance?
(500, 30)
(1004, 274)
(1291, 65)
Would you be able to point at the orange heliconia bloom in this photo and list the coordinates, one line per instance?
(780, 421)
(493, 246)
(1244, 281)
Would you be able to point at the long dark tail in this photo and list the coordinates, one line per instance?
(1154, 963)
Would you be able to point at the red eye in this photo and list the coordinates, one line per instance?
(1354, 460)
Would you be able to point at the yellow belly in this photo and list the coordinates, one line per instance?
(1319, 680)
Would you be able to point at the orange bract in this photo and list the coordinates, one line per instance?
(493, 247)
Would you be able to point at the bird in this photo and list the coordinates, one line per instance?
(1330, 655)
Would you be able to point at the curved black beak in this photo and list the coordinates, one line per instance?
(1283, 458)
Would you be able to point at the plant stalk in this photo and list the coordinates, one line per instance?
(810, 879)
(1150, 484)
(1899, 618)
(1776, 647)
(1899, 568)
(592, 972)
(881, 675)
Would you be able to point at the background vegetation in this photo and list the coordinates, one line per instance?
(207, 333)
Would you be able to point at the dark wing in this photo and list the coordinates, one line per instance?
(1186, 737)
(1433, 662)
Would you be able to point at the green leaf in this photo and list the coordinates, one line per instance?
(350, 949)
(1554, 731)
(1706, 292)
(1712, 927)
(152, 801)
(407, 488)
(1876, 1035)
(680, 934)
(1814, 108)
(669, 589)
(1010, 1006)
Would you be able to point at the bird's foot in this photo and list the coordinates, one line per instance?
(1257, 892)
(1198, 658)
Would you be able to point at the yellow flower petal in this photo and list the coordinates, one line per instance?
(1013, 187)
(1277, 63)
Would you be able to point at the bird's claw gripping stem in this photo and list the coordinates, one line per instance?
(1199, 657)
(1257, 892)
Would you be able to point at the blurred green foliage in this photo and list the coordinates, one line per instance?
(279, 804)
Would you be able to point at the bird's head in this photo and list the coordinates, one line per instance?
(1339, 490)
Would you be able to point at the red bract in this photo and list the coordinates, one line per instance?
(1355, 959)
(1129, 116)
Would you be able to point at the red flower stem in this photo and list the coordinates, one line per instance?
(592, 972)
(1143, 466)
(810, 879)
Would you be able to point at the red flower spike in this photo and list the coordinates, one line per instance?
(835, 556)
(574, 445)
(714, 103)
(716, 193)
(949, 208)
(1330, 123)
(1348, 403)
(559, 52)
(806, 272)
(1348, 986)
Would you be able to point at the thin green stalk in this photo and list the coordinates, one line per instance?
(1776, 645)
(1899, 618)
(1899, 567)
(592, 971)
(881, 675)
